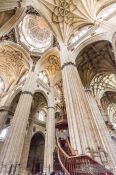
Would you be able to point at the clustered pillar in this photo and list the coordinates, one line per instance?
(11, 153)
(104, 141)
(26, 147)
(81, 123)
(88, 133)
(50, 135)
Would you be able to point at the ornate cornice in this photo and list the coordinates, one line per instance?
(67, 64)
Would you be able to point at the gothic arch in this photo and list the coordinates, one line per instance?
(91, 40)
(12, 22)
(36, 153)
(39, 132)
(12, 96)
(43, 93)
(95, 59)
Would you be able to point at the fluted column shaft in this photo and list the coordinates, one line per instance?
(26, 147)
(79, 115)
(50, 135)
(82, 139)
(104, 140)
(11, 153)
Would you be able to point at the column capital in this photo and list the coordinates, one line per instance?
(67, 64)
(27, 93)
(50, 107)
(4, 108)
(87, 90)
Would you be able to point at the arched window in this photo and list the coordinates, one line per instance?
(41, 115)
(3, 133)
(43, 76)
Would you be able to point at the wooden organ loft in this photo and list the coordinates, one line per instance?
(65, 158)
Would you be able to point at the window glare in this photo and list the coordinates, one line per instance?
(41, 115)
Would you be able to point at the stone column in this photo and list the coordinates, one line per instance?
(50, 135)
(26, 147)
(104, 141)
(11, 153)
(76, 106)
(79, 115)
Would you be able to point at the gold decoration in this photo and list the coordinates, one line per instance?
(53, 65)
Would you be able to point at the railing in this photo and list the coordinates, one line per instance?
(64, 144)
(79, 165)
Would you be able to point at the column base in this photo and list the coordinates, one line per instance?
(11, 169)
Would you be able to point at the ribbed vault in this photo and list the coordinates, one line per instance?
(95, 59)
(14, 62)
(108, 98)
(39, 102)
(5, 16)
(66, 16)
(108, 102)
(102, 83)
(50, 62)
(9, 5)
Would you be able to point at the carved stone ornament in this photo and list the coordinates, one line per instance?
(63, 11)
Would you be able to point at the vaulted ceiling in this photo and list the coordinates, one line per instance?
(39, 102)
(63, 16)
(108, 102)
(95, 59)
(66, 16)
(14, 62)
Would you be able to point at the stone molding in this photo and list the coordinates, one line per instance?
(4, 108)
(50, 107)
(27, 93)
(67, 64)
